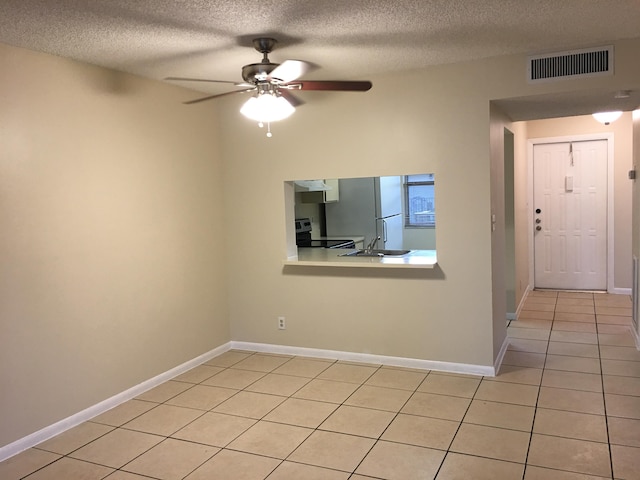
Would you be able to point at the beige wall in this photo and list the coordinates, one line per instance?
(111, 243)
(622, 130)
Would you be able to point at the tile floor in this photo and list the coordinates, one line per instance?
(565, 406)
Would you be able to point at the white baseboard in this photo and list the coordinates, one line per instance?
(87, 414)
(471, 369)
(621, 291)
(500, 357)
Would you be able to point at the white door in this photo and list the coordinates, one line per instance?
(570, 215)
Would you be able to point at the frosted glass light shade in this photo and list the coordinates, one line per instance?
(267, 108)
(606, 118)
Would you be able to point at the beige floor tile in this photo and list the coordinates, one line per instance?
(275, 384)
(524, 359)
(25, 463)
(574, 337)
(421, 431)
(74, 438)
(623, 368)
(465, 467)
(233, 378)
(616, 340)
(437, 406)
(250, 404)
(618, 311)
(626, 462)
(542, 293)
(163, 420)
(417, 462)
(552, 299)
(171, 459)
(123, 413)
(450, 385)
(538, 307)
(582, 295)
(215, 429)
(614, 329)
(535, 315)
(301, 413)
(303, 367)
(515, 374)
(613, 300)
(270, 439)
(120, 475)
(624, 431)
(502, 415)
(117, 447)
(621, 385)
(228, 465)
(198, 374)
(527, 333)
(202, 397)
(540, 473)
(326, 391)
(228, 359)
(573, 349)
(571, 400)
(619, 353)
(262, 363)
(332, 450)
(364, 422)
(569, 454)
(574, 317)
(580, 309)
(537, 324)
(346, 372)
(564, 301)
(507, 392)
(573, 364)
(581, 426)
(379, 398)
(396, 378)
(290, 471)
(490, 442)
(613, 320)
(69, 468)
(574, 327)
(572, 380)
(622, 406)
(531, 346)
(164, 391)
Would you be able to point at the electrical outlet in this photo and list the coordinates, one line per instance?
(281, 323)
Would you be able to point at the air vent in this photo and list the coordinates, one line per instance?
(589, 62)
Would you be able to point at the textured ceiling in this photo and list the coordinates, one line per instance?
(348, 39)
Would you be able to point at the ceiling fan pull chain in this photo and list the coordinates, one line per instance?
(269, 134)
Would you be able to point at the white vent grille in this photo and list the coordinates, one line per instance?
(589, 62)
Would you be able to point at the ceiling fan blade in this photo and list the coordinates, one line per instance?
(184, 79)
(290, 70)
(335, 85)
(210, 97)
(291, 98)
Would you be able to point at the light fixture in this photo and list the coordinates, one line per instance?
(267, 106)
(606, 118)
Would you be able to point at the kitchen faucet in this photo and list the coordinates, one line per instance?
(372, 243)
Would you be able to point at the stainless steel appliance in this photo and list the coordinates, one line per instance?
(304, 240)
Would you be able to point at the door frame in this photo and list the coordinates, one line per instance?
(610, 211)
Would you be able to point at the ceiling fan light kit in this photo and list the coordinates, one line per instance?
(272, 83)
(606, 118)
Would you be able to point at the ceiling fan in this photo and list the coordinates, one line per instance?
(272, 84)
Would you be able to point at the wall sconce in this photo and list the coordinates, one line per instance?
(606, 118)
(267, 106)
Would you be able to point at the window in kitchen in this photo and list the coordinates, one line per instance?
(420, 200)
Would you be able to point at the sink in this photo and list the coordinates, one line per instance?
(376, 253)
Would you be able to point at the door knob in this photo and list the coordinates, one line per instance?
(538, 228)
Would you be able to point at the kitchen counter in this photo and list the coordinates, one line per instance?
(333, 257)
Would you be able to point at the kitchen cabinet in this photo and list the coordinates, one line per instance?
(330, 195)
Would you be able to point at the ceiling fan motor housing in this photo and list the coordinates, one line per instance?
(257, 72)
